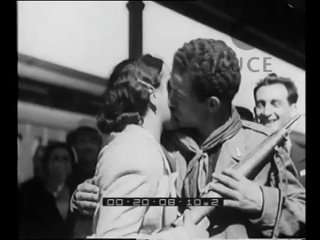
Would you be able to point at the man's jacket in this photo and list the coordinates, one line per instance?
(283, 213)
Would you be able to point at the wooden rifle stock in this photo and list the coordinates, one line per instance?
(250, 166)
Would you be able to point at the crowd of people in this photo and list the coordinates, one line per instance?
(45, 199)
(174, 134)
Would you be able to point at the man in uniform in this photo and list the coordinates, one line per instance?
(212, 138)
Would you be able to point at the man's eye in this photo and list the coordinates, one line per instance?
(259, 105)
(276, 103)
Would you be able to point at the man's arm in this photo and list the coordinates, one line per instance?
(85, 198)
(84, 201)
(291, 218)
(284, 206)
(275, 211)
(138, 178)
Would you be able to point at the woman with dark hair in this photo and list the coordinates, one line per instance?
(108, 135)
(133, 164)
(44, 200)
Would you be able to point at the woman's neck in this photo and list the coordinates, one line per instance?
(153, 124)
(53, 185)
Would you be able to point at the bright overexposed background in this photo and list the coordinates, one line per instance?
(90, 36)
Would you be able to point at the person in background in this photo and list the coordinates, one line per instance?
(37, 160)
(86, 143)
(44, 201)
(275, 104)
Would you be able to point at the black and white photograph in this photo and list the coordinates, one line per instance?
(161, 119)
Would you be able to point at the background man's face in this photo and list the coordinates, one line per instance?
(186, 109)
(87, 148)
(272, 107)
(59, 164)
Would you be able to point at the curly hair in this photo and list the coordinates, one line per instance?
(212, 66)
(116, 71)
(127, 94)
(273, 78)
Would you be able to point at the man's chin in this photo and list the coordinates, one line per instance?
(171, 125)
(273, 125)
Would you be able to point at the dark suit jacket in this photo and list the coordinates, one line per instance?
(39, 216)
(298, 153)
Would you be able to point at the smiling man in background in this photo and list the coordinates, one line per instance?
(275, 104)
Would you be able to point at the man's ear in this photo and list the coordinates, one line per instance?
(213, 104)
(293, 109)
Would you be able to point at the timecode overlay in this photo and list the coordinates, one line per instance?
(162, 201)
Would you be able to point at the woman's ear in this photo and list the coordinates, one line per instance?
(153, 97)
(213, 104)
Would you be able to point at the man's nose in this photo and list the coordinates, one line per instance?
(267, 111)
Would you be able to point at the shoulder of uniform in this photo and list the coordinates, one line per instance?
(256, 127)
(298, 138)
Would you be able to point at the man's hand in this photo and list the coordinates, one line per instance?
(193, 230)
(186, 230)
(86, 197)
(238, 191)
